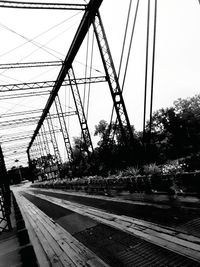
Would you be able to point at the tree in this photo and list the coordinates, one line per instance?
(176, 130)
(112, 152)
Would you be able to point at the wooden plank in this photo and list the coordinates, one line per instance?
(77, 252)
(58, 243)
(49, 235)
(41, 238)
(170, 242)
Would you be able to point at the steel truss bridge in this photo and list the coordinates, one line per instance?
(45, 132)
(41, 130)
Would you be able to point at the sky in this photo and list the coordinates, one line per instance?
(44, 35)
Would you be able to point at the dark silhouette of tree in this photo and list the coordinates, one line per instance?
(176, 130)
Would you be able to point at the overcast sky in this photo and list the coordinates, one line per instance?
(51, 32)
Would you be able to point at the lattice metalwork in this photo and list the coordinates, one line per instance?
(53, 139)
(45, 140)
(30, 120)
(80, 111)
(32, 5)
(112, 79)
(64, 128)
(41, 146)
(48, 84)
(5, 203)
(22, 65)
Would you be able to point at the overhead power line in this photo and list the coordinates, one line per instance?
(32, 5)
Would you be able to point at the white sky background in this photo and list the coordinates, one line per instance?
(176, 63)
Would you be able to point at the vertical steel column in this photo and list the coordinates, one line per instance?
(113, 82)
(41, 145)
(63, 128)
(34, 150)
(53, 139)
(45, 140)
(80, 111)
(5, 201)
(37, 152)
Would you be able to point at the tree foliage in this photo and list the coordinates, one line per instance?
(176, 130)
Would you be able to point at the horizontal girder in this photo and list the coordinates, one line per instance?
(20, 113)
(32, 5)
(21, 95)
(48, 84)
(30, 120)
(88, 17)
(30, 65)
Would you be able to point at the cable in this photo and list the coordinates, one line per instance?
(124, 39)
(153, 67)
(122, 52)
(146, 68)
(86, 67)
(127, 60)
(130, 45)
(90, 74)
(37, 36)
(40, 46)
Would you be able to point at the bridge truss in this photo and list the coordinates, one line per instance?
(44, 139)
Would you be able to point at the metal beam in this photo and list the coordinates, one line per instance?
(88, 17)
(31, 119)
(20, 113)
(9, 66)
(113, 82)
(21, 95)
(48, 84)
(32, 5)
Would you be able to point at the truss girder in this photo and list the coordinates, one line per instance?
(8, 140)
(11, 155)
(112, 79)
(41, 144)
(17, 146)
(48, 84)
(37, 149)
(53, 139)
(80, 111)
(32, 5)
(10, 66)
(86, 21)
(30, 120)
(21, 95)
(20, 113)
(64, 128)
(45, 140)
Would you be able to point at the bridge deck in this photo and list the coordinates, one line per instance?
(62, 249)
